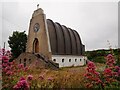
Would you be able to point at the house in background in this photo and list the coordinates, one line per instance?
(52, 44)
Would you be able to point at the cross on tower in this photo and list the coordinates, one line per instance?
(37, 6)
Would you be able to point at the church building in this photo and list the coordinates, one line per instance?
(52, 43)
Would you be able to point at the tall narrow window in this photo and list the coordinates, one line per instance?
(80, 59)
(29, 61)
(20, 61)
(62, 60)
(69, 60)
(36, 46)
(25, 62)
(75, 60)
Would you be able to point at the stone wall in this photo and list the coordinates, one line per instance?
(32, 60)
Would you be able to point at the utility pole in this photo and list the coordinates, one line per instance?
(4, 45)
(4, 48)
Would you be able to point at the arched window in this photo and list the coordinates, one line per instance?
(69, 60)
(36, 46)
(75, 60)
(62, 60)
(80, 59)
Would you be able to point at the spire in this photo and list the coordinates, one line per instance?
(38, 11)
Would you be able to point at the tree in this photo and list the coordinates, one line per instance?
(17, 43)
(118, 56)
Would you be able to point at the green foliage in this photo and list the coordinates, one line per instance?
(98, 55)
(17, 43)
(118, 56)
(99, 59)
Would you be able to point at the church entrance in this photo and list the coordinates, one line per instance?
(36, 46)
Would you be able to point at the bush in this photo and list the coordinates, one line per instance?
(99, 59)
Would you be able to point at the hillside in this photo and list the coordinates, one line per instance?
(99, 55)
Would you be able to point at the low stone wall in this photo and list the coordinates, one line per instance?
(29, 59)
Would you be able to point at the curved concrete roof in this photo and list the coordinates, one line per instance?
(63, 40)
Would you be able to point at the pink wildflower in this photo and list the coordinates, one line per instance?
(8, 68)
(96, 73)
(117, 67)
(0, 66)
(50, 79)
(108, 72)
(30, 77)
(5, 59)
(9, 73)
(98, 81)
(11, 63)
(91, 65)
(115, 74)
(26, 68)
(16, 87)
(3, 50)
(22, 78)
(119, 72)
(22, 84)
(92, 75)
(110, 60)
(41, 77)
(4, 64)
(20, 66)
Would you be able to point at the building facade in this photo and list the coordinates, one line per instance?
(53, 42)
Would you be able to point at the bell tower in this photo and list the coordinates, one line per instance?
(38, 37)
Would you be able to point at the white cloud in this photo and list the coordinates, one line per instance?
(95, 22)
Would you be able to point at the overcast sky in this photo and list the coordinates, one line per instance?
(96, 22)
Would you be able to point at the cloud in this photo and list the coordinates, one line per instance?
(96, 22)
